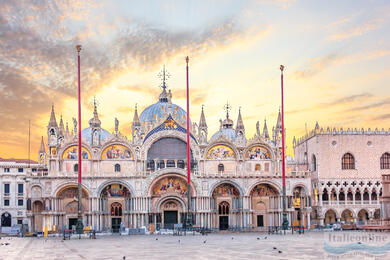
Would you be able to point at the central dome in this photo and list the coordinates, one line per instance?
(157, 111)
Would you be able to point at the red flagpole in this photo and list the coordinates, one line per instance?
(79, 225)
(189, 218)
(285, 221)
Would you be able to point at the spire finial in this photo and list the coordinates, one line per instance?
(227, 108)
(164, 75)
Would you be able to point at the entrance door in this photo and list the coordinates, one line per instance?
(72, 222)
(223, 222)
(170, 218)
(115, 225)
(260, 220)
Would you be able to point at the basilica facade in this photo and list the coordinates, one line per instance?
(236, 182)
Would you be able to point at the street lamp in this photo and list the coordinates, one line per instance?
(285, 221)
(79, 224)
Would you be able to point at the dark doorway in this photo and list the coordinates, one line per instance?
(6, 220)
(223, 222)
(115, 224)
(72, 222)
(260, 220)
(170, 218)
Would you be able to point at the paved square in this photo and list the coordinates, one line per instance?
(213, 246)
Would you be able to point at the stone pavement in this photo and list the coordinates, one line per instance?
(214, 246)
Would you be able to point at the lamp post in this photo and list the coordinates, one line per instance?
(79, 224)
(189, 216)
(285, 221)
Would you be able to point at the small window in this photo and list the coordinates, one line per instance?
(221, 167)
(348, 162)
(385, 161)
(20, 169)
(20, 221)
(6, 188)
(313, 163)
(180, 164)
(34, 169)
(6, 202)
(150, 165)
(20, 188)
(117, 167)
(170, 163)
(161, 164)
(6, 169)
(76, 167)
(20, 202)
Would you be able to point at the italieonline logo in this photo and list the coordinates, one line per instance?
(340, 243)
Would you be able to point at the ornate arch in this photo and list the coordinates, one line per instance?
(69, 184)
(109, 182)
(260, 144)
(83, 145)
(234, 184)
(224, 142)
(116, 142)
(171, 197)
(274, 185)
(169, 172)
(303, 186)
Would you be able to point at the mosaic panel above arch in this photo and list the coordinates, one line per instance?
(71, 153)
(115, 190)
(258, 153)
(71, 192)
(221, 152)
(170, 185)
(225, 190)
(116, 152)
(263, 190)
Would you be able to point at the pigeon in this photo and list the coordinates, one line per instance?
(265, 238)
(232, 238)
(279, 252)
(359, 243)
(156, 238)
(204, 242)
(275, 248)
(124, 257)
(178, 241)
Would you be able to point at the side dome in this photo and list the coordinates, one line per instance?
(86, 134)
(157, 111)
(228, 133)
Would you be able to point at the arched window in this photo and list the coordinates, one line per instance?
(223, 208)
(116, 209)
(170, 163)
(180, 164)
(6, 220)
(348, 162)
(161, 164)
(117, 167)
(385, 161)
(221, 167)
(76, 167)
(313, 163)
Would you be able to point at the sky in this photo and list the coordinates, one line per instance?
(336, 56)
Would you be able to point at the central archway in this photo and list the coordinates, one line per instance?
(264, 205)
(115, 203)
(227, 204)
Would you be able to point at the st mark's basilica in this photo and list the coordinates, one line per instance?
(236, 181)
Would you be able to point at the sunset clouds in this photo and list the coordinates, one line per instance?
(336, 57)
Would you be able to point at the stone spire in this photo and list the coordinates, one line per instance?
(136, 121)
(52, 121)
(317, 127)
(265, 130)
(202, 128)
(294, 142)
(136, 124)
(202, 121)
(95, 121)
(42, 147)
(240, 124)
(279, 121)
(62, 128)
